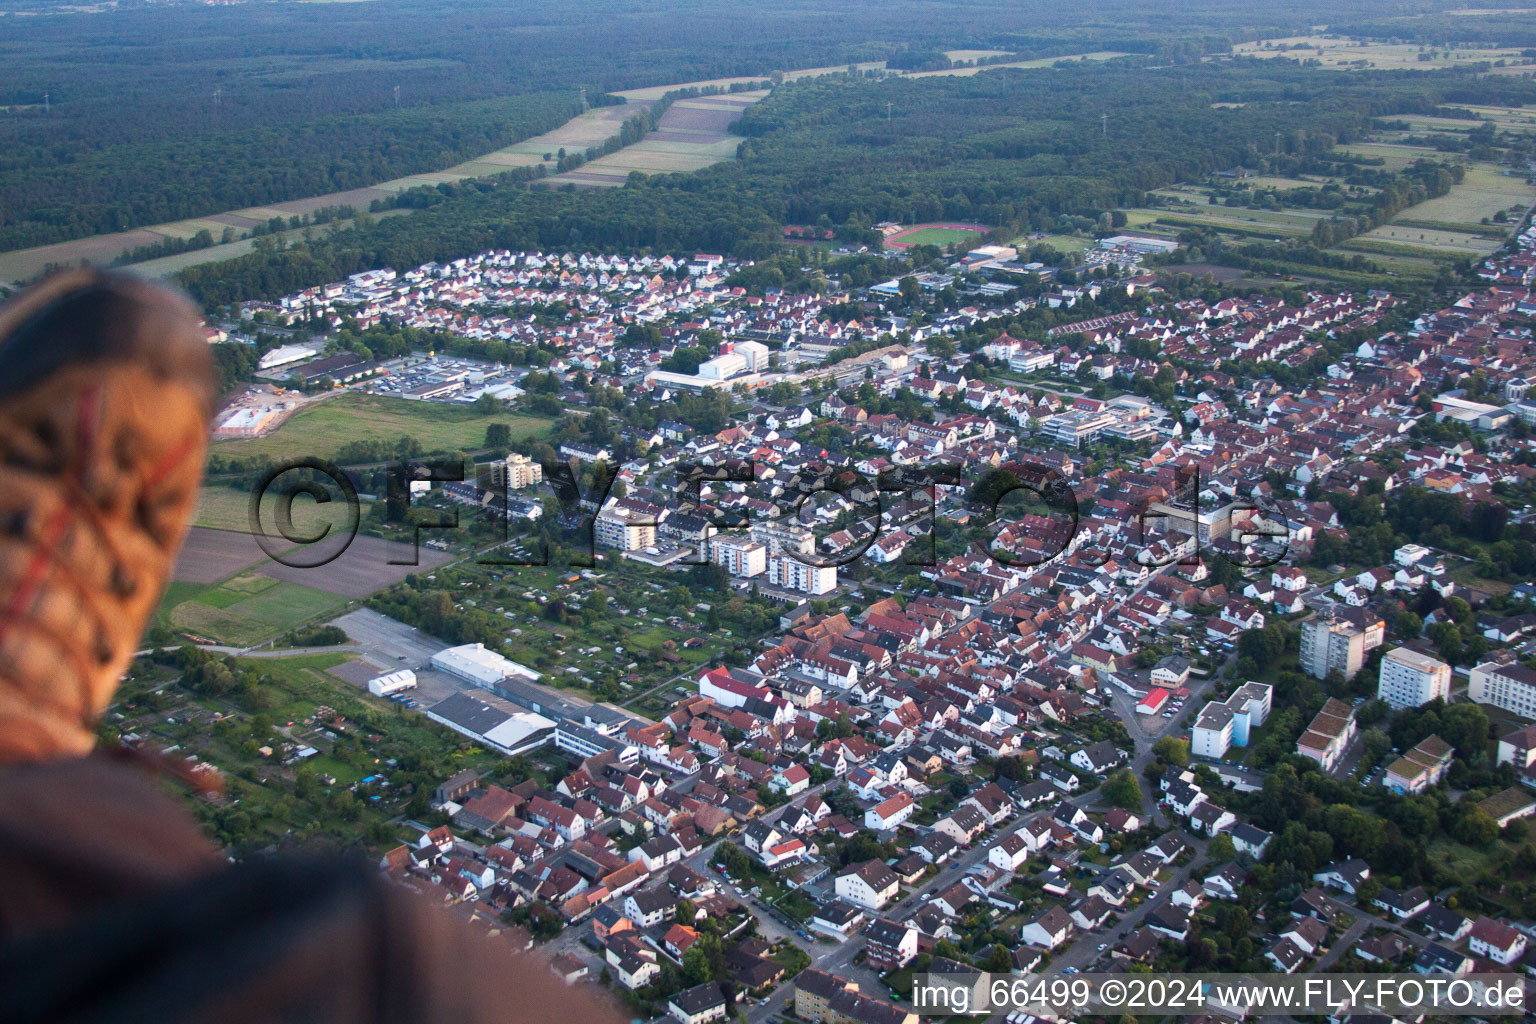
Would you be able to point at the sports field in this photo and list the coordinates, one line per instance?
(320, 429)
(937, 234)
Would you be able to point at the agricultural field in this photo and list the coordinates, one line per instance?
(243, 610)
(1191, 208)
(1484, 191)
(321, 428)
(1348, 55)
(1042, 62)
(1454, 224)
(962, 56)
(691, 135)
(1506, 119)
(593, 128)
(1393, 156)
(224, 508)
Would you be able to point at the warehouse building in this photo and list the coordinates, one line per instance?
(475, 664)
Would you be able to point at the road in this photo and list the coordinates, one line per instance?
(1364, 921)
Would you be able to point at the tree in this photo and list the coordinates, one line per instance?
(1122, 790)
(1173, 750)
(498, 435)
(999, 960)
(696, 964)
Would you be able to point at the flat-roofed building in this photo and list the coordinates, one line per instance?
(1228, 723)
(1409, 679)
(1339, 642)
(624, 528)
(516, 472)
(1509, 686)
(739, 556)
(473, 662)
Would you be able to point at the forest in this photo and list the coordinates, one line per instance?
(140, 114)
(121, 186)
(1018, 149)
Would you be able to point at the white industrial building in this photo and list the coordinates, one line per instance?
(285, 354)
(474, 663)
(392, 682)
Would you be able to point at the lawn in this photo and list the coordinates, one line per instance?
(245, 610)
(322, 428)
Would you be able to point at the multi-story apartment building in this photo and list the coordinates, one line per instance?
(515, 472)
(1509, 686)
(784, 538)
(1410, 679)
(792, 574)
(1329, 735)
(739, 556)
(824, 998)
(1339, 643)
(624, 528)
(1228, 723)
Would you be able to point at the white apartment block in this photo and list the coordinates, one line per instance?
(625, 529)
(739, 556)
(1511, 687)
(784, 538)
(1410, 679)
(516, 472)
(1228, 723)
(792, 574)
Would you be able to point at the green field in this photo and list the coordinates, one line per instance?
(1061, 243)
(322, 428)
(1482, 192)
(224, 508)
(1339, 54)
(244, 610)
(939, 236)
(1394, 157)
